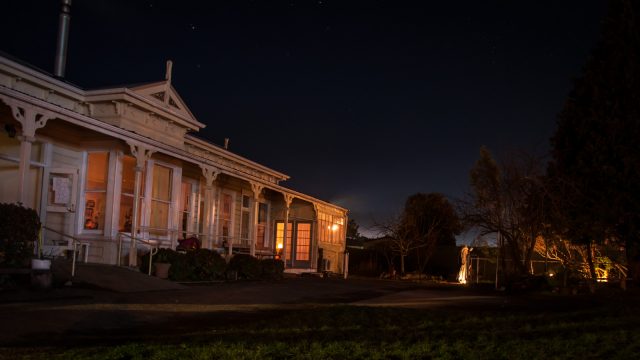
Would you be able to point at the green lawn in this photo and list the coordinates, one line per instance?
(347, 332)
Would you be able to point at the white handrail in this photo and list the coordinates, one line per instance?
(152, 243)
(155, 243)
(74, 241)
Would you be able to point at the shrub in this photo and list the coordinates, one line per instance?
(163, 255)
(529, 283)
(206, 264)
(272, 269)
(246, 266)
(181, 269)
(19, 229)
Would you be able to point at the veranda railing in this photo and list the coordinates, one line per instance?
(74, 241)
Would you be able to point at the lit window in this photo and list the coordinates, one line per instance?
(160, 199)
(330, 228)
(127, 188)
(245, 224)
(185, 209)
(96, 190)
(226, 212)
(261, 240)
(280, 237)
(303, 241)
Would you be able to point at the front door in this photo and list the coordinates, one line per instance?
(298, 247)
(302, 245)
(60, 188)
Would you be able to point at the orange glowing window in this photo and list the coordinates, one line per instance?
(280, 237)
(226, 215)
(303, 241)
(160, 199)
(96, 190)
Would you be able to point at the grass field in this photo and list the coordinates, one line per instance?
(609, 330)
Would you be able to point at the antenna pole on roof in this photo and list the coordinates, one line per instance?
(63, 39)
(167, 75)
(167, 85)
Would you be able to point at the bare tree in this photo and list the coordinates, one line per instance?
(574, 258)
(426, 220)
(429, 219)
(507, 200)
(396, 238)
(385, 248)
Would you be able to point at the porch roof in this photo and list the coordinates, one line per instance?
(71, 106)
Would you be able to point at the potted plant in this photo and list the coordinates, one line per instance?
(162, 262)
(19, 231)
(40, 262)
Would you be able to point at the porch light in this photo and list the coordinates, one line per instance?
(334, 227)
(280, 246)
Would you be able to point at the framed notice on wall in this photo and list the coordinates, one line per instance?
(61, 187)
(61, 190)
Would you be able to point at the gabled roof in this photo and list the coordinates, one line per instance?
(74, 105)
(163, 94)
(158, 98)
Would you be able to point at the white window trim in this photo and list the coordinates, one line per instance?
(194, 207)
(267, 225)
(249, 209)
(173, 216)
(219, 217)
(109, 194)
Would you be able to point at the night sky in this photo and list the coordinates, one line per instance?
(361, 103)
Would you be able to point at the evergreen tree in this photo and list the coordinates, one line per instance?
(596, 154)
(429, 220)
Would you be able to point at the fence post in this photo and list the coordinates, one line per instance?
(497, 266)
(346, 264)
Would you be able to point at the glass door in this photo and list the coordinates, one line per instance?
(298, 247)
(302, 245)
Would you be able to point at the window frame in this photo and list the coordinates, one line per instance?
(108, 193)
(221, 218)
(193, 211)
(266, 241)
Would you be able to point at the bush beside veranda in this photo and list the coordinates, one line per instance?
(245, 266)
(208, 265)
(272, 269)
(19, 230)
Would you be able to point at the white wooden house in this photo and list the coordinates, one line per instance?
(101, 165)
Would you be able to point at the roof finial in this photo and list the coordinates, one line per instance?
(167, 75)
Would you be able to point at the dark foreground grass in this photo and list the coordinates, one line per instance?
(610, 331)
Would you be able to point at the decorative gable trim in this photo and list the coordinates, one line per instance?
(163, 94)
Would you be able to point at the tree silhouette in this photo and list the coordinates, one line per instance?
(507, 200)
(596, 156)
(426, 221)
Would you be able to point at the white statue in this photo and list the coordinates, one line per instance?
(465, 265)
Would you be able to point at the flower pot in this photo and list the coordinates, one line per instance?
(40, 264)
(42, 279)
(162, 270)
